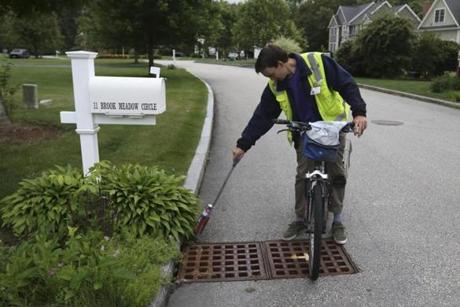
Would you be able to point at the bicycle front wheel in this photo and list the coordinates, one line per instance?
(316, 229)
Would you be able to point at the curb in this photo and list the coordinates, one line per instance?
(196, 169)
(193, 183)
(413, 96)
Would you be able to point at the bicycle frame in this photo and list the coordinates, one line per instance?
(311, 179)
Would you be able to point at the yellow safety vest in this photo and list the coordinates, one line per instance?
(331, 105)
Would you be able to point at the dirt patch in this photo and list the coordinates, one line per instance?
(22, 133)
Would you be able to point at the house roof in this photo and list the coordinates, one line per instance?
(353, 15)
(397, 7)
(454, 6)
(351, 12)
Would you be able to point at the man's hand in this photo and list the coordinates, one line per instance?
(238, 154)
(360, 125)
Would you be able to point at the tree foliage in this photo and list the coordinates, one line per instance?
(38, 32)
(28, 7)
(141, 24)
(433, 56)
(288, 44)
(348, 57)
(260, 21)
(385, 46)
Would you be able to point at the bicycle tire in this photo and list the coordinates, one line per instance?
(314, 250)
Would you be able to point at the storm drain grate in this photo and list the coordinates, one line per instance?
(289, 259)
(225, 261)
(259, 260)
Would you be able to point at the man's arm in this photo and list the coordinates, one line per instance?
(341, 81)
(261, 121)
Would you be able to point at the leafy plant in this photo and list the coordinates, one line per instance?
(433, 56)
(385, 46)
(6, 89)
(288, 44)
(146, 200)
(89, 270)
(47, 204)
(445, 83)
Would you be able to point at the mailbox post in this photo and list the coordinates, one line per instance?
(82, 72)
(109, 100)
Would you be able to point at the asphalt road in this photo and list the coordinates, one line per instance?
(401, 207)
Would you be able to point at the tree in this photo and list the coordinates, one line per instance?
(433, 56)
(288, 44)
(6, 93)
(28, 7)
(142, 24)
(260, 21)
(228, 17)
(385, 46)
(38, 32)
(347, 56)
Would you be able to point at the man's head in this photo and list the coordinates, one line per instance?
(273, 63)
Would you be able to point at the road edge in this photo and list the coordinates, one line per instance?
(192, 182)
(409, 95)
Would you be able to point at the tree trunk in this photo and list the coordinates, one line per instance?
(136, 57)
(150, 51)
(4, 119)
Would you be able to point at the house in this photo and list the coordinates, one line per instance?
(349, 20)
(443, 19)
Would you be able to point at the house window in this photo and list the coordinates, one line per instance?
(439, 15)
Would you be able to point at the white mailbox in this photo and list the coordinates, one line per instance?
(109, 100)
(127, 96)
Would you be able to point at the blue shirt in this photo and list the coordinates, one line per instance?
(302, 103)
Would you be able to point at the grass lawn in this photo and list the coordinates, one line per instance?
(241, 63)
(170, 144)
(410, 86)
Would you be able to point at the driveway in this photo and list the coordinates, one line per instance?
(401, 206)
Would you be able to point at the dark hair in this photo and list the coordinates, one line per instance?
(269, 56)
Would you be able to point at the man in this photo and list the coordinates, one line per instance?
(308, 88)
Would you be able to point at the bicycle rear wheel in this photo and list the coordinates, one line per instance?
(316, 229)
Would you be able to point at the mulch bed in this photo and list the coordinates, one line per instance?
(24, 133)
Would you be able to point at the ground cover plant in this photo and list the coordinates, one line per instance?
(93, 240)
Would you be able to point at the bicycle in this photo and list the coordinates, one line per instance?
(317, 184)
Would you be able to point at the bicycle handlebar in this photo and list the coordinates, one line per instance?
(302, 127)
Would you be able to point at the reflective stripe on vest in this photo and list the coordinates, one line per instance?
(331, 105)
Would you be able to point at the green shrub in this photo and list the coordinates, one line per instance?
(385, 46)
(146, 200)
(433, 56)
(6, 89)
(347, 56)
(288, 44)
(89, 270)
(46, 204)
(445, 83)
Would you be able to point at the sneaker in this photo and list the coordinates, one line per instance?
(294, 229)
(338, 233)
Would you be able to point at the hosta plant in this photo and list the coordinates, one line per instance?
(48, 203)
(147, 200)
